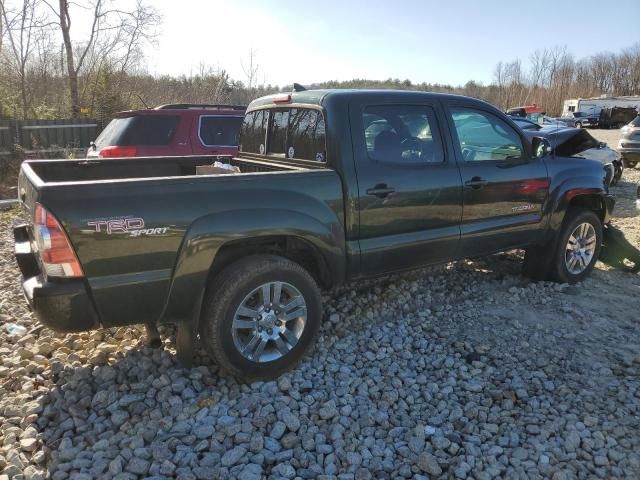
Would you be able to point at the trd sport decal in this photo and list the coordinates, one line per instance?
(134, 226)
(523, 208)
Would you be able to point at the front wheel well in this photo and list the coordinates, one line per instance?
(296, 249)
(595, 203)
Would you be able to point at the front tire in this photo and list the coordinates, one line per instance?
(577, 247)
(261, 314)
(578, 124)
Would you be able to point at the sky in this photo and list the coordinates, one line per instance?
(445, 41)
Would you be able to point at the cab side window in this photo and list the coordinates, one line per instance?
(485, 137)
(402, 134)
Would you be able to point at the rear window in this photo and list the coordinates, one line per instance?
(141, 130)
(220, 130)
(635, 122)
(278, 132)
(293, 133)
(113, 132)
(252, 132)
(306, 138)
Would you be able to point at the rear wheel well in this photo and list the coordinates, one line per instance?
(295, 249)
(595, 203)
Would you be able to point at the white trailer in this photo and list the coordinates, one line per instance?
(592, 106)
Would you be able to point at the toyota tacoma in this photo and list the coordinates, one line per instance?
(333, 186)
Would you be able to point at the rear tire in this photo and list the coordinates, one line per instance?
(250, 337)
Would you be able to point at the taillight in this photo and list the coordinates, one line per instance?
(54, 248)
(117, 152)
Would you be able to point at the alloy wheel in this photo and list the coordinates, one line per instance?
(269, 322)
(581, 248)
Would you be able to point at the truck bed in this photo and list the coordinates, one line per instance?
(56, 171)
(179, 217)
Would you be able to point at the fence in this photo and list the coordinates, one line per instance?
(44, 135)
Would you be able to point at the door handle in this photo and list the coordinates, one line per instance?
(381, 190)
(475, 183)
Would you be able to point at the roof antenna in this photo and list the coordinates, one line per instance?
(143, 102)
(298, 88)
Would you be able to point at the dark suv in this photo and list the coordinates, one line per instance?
(581, 119)
(171, 130)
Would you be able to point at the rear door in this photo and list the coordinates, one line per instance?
(504, 189)
(409, 198)
(216, 134)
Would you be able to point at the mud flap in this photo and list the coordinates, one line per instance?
(187, 336)
(538, 260)
(616, 249)
(153, 336)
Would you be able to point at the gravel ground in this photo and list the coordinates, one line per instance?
(465, 370)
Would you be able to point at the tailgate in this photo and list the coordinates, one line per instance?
(29, 188)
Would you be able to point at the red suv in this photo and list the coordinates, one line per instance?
(171, 130)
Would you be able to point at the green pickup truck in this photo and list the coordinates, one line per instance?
(333, 186)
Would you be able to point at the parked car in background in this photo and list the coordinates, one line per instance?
(616, 117)
(578, 143)
(551, 121)
(580, 120)
(334, 186)
(629, 144)
(525, 124)
(530, 112)
(595, 104)
(171, 130)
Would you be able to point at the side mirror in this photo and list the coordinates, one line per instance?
(602, 145)
(540, 147)
(92, 145)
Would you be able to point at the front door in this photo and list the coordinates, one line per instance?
(504, 188)
(409, 199)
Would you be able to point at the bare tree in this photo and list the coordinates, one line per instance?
(25, 28)
(2, 7)
(112, 30)
(251, 70)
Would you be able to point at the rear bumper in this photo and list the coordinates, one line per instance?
(63, 305)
